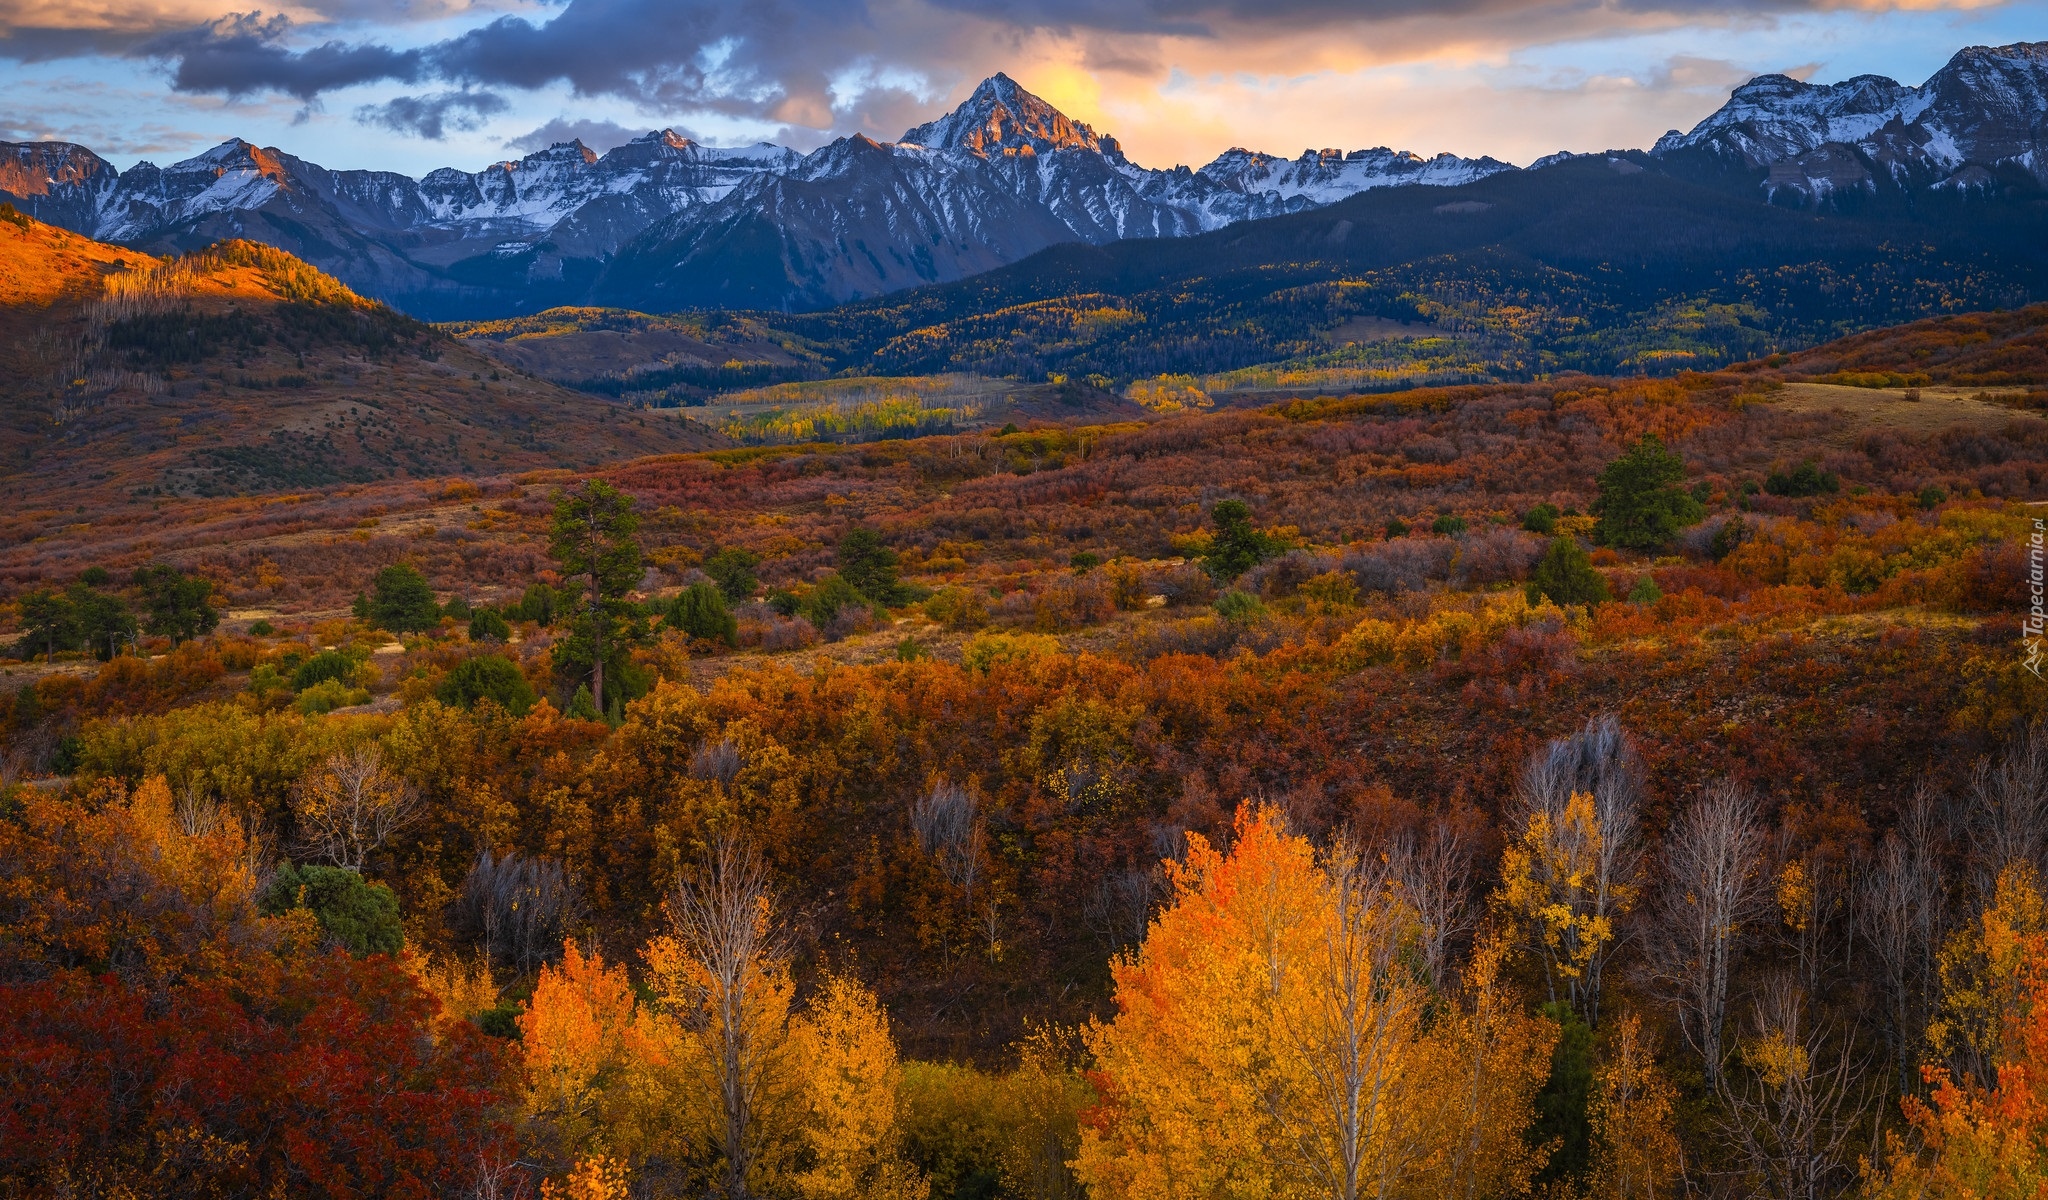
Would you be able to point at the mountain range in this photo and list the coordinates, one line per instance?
(1976, 126)
(664, 223)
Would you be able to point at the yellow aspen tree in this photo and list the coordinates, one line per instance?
(1265, 1038)
(594, 1178)
(1558, 888)
(1485, 1064)
(1572, 873)
(1187, 1067)
(843, 1040)
(1972, 1140)
(200, 849)
(1636, 1155)
(722, 972)
(1348, 1017)
(463, 988)
(577, 1035)
(1980, 967)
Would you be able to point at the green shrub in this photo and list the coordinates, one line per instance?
(354, 913)
(486, 625)
(1448, 525)
(401, 601)
(1562, 1119)
(829, 597)
(337, 665)
(1238, 606)
(329, 694)
(1641, 505)
(732, 569)
(1645, 592)
(1084, 561)
(1933, 496)
(490, 677)
(265, 678)
(540, 604)
(1566, 576)
(1541, 519)
(700, 612)
(1806, 479)
(1396, 528)
(502, 1021)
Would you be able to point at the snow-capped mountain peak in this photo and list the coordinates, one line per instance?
(1981, 115)
(1002, 118)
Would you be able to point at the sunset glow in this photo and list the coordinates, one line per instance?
(416, 86)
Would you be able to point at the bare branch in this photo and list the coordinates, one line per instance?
(948, 824)
(1434, 878)
(723, 917)
(1714, 884)
(518, 909)
(350, 805)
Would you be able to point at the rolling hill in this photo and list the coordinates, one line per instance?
(1601, 263)
(241, 370)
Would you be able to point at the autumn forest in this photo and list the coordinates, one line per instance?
(1577, 787)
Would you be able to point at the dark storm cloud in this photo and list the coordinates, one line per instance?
(432, 116)
(1205, 18)
(765, 58)
(244, 54)
(775, 59)
(598, 135)
(747, 57)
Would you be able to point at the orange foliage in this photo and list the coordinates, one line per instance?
(1985, 1143)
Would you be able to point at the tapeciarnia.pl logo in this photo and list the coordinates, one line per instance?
(2037, 613)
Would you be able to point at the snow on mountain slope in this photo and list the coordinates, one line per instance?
(1977, 119)
(56, 182)
(1003, 175)
(1001, 118)
(999, 177)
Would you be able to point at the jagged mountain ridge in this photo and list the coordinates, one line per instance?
(1001, 176)
(385, 233)
(665, 223)
(1979, 125)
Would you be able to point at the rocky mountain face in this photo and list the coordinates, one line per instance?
(1978, 127)
(439, 245)
(666, 222)
(1001, 177)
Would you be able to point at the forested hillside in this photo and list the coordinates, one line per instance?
(1588, 786)
(1599, 264)
(240, 370)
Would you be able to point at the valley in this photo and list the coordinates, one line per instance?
(969, 669)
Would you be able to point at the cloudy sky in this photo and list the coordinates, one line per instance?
(412, 85)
